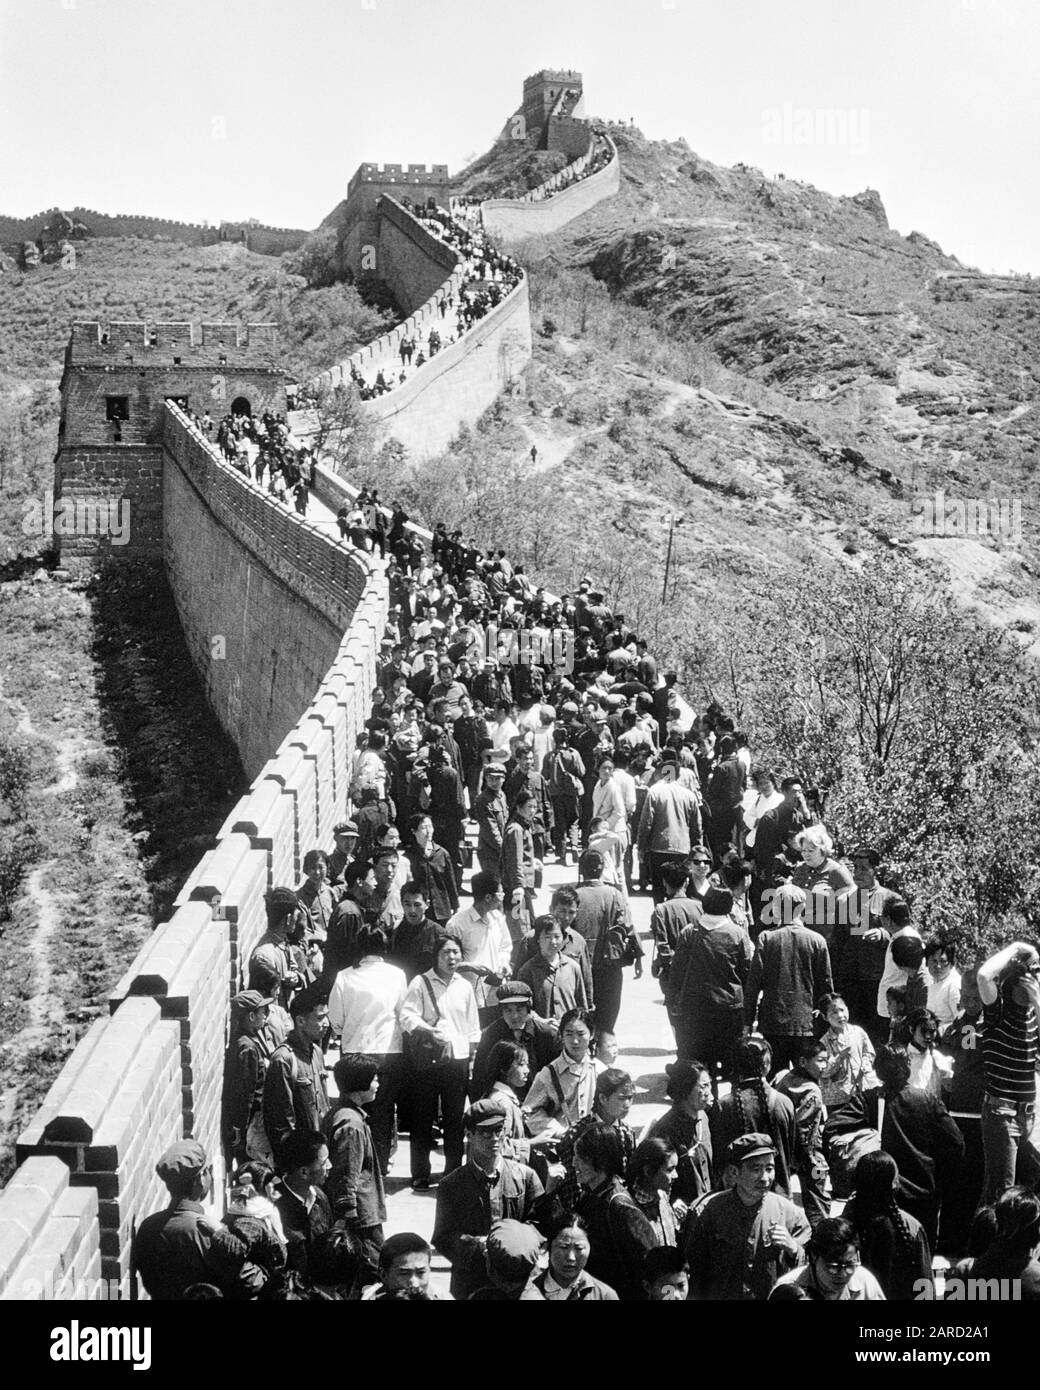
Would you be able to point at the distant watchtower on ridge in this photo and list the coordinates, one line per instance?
(553, 98)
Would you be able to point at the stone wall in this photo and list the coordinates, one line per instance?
(514, 219)
(461, 382)
(264, 597)
(464, 379)
(117, 496)
(150, 1073)
(409, 259)
(268, 241)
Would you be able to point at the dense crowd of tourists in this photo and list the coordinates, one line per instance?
(851, 1093)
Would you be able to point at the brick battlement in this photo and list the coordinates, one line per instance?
(565, 76)
(398, 174)
(96, 342)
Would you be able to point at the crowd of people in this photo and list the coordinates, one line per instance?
(488, 276)
(602, 154)
(265, 450)
(850, 1095)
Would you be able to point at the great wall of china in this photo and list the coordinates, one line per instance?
(299, 615)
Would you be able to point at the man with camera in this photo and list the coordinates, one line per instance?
(1009, 987)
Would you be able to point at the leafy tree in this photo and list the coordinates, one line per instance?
(915, 726)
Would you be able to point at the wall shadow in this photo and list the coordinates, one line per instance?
(180, 772)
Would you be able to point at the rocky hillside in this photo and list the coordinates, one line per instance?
(784, 369)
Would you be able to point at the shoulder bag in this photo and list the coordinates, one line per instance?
(422, 1050)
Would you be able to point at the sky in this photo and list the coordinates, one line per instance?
(226, 109)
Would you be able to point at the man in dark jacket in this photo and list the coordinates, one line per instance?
(525, 778)
(520, 1024)
(518, 867)
(178, 1247)
(564, 775)
(790, 971)
(485, 1189)
(355, 1183)
(414, 944)
(491, 812)
(705, 992)
(295, 1093)
(245, 1066)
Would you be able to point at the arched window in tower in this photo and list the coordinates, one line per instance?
(240, 406)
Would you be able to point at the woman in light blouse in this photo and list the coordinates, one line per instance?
(563, 1092)
(443, 1003)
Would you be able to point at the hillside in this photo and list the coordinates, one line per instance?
(779, 366)
(130, 279)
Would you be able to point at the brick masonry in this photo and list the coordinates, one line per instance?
(302, 618)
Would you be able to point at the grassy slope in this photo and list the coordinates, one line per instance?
(131, 775)
(721, 340)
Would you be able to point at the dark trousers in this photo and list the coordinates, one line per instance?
(962, 1197)
(443, 1085)
(490, 861)
(785, 1049)
(370, 1239)
(812, 1180)
(657, 859)
(566, 835)
(606, 988)
(710, 1037)
(382, 1111)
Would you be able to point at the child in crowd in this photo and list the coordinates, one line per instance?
(930, 1071)
(849, 1070)
(904, 969)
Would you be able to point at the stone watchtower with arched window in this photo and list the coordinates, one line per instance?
(116, 381)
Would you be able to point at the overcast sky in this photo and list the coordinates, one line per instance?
(210, 109)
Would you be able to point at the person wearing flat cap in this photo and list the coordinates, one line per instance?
(487, 1188)
(512, 1253)
(346, 836)
(517, 1023)
(245, 1066)
(739, 1242)
(491, 813)
(178, 1247)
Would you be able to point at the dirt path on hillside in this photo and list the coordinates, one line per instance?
(45, 1007)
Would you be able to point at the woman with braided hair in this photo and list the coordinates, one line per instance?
(754, 1107)
(893, 1244)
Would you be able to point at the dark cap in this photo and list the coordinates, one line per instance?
(515, 992)
(485, 1114)
(747, 1146)
(513, 1248)
(345, 827)
(494, 770)
(181, 1160)
(250, 999)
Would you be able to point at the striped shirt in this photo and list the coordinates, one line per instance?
(1009, 1049)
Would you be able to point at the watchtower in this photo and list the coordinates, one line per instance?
(116, 381)
(553, 91)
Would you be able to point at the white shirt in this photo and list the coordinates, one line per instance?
(927, 1070)
(459, 1021)
(485, 941)
(755, 807)
(944, 998)
(365, 1006)
(627, 783)
(501, 734)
